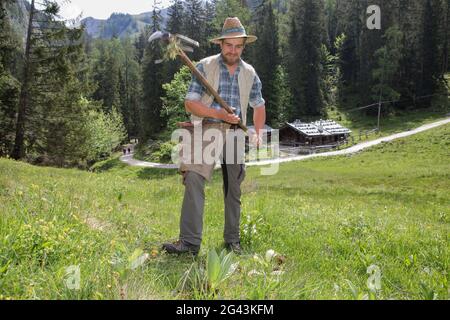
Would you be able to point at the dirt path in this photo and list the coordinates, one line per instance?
(128, 159)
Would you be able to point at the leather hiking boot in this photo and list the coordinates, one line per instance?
(179, 247)
(234, 246)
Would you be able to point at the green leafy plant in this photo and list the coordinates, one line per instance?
(219, 268)
(205, 281)
(124, 263)
(427, 292)
(156, 151)
(173, 100)
(356, 293)
(164, 153)
(254, 229)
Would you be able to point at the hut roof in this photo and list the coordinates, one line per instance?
(319, 128)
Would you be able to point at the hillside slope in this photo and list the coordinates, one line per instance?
(331, 219)
(120, 25)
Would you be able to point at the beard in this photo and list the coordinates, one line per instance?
(230, 59)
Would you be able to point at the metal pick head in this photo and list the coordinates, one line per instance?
(186, 48)
(187, 40)
(159, 35)
(155, 35)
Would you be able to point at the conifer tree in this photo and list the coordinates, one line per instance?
(106, 73)
(430, 68)
(266, 56)
(306, 37)
(153, 77)
(386, 72)
(176, 16)
(194, 26)
(130, 89)
(210, 27)
(50, 89)
(9, 85)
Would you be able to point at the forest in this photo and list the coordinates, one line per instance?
(68, 99)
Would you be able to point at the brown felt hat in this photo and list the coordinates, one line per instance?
(233, 29)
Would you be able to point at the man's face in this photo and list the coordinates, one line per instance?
(232, 50)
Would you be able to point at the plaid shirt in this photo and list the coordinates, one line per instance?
(228, 89)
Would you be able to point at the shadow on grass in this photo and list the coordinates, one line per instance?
(108, 165)
(154, 173)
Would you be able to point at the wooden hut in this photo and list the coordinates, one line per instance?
(319, 133)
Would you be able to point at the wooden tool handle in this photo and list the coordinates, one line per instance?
(208, 86)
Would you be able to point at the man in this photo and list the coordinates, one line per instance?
(239, 85)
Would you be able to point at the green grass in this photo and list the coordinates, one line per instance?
(328, 219)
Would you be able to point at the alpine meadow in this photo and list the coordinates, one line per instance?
(349, 103)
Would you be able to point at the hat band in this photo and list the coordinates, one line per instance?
(234, 30)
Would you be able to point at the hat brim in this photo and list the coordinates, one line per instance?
(250, 39)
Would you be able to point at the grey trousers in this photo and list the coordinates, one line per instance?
(191, 222)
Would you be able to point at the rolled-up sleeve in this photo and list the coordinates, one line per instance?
(196, 89)
(256, 99)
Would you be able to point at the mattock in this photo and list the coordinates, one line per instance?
(176, 46)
